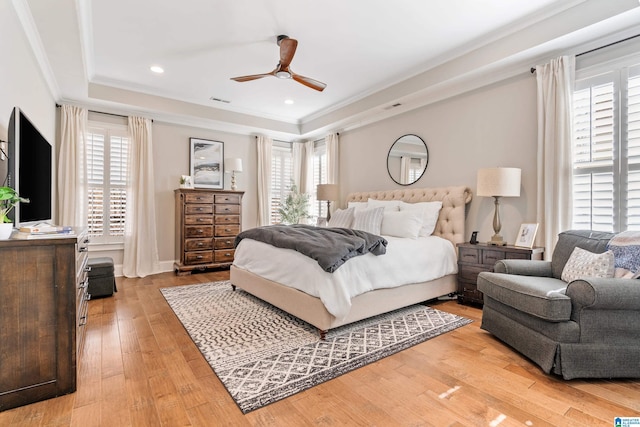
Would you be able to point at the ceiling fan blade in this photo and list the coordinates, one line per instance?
(251, 77)
(309, 82)
(287, 50)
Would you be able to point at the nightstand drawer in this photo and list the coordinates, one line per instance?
(470, 273)
(472, 256)
(490, 257)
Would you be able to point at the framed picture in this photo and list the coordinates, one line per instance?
(526, 235)
(206, 163)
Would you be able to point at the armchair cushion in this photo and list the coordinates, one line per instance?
(542, 297)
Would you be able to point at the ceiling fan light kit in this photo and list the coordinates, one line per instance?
(282, 71)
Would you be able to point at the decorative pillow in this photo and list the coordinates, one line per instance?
(357, 205)
(583, 263)
(369, 220)
(342, 218)
(430, 212)
(388, 205)
(401, 224)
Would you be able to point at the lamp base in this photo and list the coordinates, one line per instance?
(496, 240)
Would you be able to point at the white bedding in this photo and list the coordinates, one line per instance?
(406, 261)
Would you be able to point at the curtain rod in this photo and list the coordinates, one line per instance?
(102, 112)
(533, 69)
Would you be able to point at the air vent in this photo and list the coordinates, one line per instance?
(397, 104)
(213, 98)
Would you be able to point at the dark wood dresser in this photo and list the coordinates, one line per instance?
(43, 309)
(473, 259)
(207, 223)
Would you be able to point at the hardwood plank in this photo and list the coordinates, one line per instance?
(139, 367)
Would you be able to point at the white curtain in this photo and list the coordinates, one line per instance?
(140, 242)
(555, 92)
(264, 145)
(405, 169)
(333, 164)
(72, 193)
(303, 166)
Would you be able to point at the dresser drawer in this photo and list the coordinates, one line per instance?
(227, 230)
(198, 219)
(224, 256)
(198, 231)
(198, 209)
(197, 244)
(198, 198)
(512, 255)
(468, 255)
(226, 209)
(198, 257)
(223, 242)
(490, 257)
(231, 199)
(226, 219)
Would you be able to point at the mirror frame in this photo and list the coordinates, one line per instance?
(389, 155)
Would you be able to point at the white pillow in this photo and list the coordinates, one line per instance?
(583, 263)
(401, 224)
(430, 212)
(342, 218)
(388, 205)
(357, 205)
(368, 220)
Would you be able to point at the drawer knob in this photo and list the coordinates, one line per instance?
(200, 230)
(227, 254)
(227, 229)
(199, 257)
(228, 242)
(200, 244)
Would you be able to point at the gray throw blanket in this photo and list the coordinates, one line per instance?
(331, 247)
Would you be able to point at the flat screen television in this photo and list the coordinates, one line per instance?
(29, 171)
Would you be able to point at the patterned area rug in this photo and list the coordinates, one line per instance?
(262, 354)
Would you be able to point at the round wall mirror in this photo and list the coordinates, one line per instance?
(407, 159)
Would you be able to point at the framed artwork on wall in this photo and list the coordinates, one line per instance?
(526, 235)
(206, 163)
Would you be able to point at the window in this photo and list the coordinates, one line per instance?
(107, 156)
(281, 176)
(606, 151)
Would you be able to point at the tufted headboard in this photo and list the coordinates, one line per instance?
(451, 219)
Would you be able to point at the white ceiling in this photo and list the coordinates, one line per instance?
(370, 53)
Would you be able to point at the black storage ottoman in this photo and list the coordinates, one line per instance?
(102, 281)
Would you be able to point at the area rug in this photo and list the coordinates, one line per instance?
(262, 354)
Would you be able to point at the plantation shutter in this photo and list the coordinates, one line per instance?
(606, 151)
(281, 176)
(319, 207)
(107, 156)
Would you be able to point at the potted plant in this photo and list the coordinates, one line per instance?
(8, 199)
(295, 207)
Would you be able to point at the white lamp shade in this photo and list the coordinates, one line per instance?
(327, 192)
(503, 182)
(233, 165)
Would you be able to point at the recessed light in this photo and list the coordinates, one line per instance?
(288, 101)
(157, 69)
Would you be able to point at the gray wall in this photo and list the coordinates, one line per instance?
(489, 127)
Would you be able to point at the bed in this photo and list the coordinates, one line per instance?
(247, 271)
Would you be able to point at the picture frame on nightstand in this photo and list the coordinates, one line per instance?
(526, 235)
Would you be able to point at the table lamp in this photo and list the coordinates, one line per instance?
(327, 192)
(232, 166)
(496, 183)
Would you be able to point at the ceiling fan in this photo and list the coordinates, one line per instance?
(282, 71)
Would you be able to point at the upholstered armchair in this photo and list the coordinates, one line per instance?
(587, 328)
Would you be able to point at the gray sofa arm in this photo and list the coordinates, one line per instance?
(605, 294)
(523, 267)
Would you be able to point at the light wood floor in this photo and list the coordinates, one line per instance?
(140, 368)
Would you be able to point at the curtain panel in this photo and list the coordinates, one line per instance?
(140, 242)
(263, 146)
(555, 82)
(72, 192)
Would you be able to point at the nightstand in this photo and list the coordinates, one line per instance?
(473, 259)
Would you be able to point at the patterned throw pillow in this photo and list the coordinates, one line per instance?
(342, 218)
(368, 220)
(582, 264)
